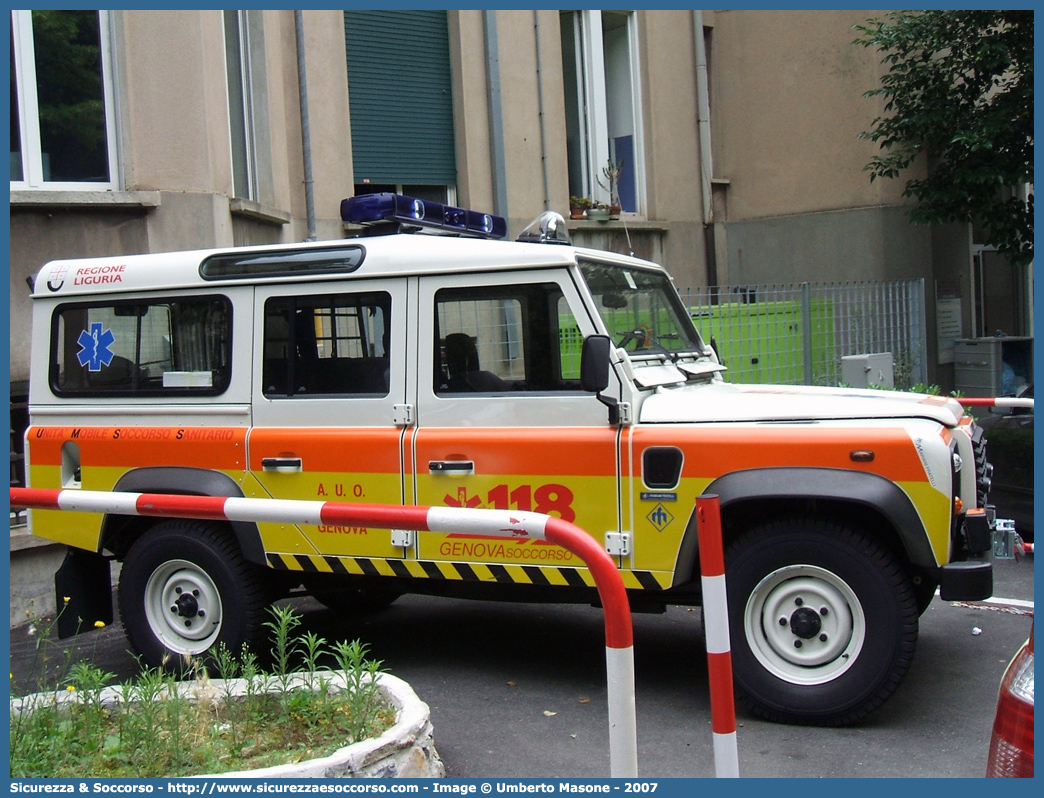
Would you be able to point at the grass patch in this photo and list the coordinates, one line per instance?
(225, 714)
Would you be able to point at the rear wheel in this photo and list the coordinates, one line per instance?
(184, 588)
(823, 621)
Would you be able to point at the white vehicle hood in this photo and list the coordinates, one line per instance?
(720, 401)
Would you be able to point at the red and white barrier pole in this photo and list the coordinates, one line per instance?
(719, 648)
(619, 643)
(995, 401)
(623, 738)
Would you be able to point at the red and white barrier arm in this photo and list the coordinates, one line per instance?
(619, 639)
(716, 630)
(995, 401)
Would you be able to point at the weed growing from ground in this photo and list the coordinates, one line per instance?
(159, 725)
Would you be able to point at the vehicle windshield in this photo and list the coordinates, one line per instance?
(641, 310)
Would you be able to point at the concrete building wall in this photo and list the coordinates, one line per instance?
(470, 110)
(791, 199)
(175, 114)
(329, 118)
(667, 43)
(794, 202)
(829, 246)
(787, 108)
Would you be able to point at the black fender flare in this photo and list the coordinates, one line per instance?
(833, 484)
(185, 481)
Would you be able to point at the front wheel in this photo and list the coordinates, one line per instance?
(823, 621)
(184, 588)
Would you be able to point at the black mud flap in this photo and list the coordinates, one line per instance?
(86, 581)
(965, 581)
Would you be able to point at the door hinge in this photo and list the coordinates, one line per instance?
(402, 415)
(625, 412)
(403, 538)
(618, 543)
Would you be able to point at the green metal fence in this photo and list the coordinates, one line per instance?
(797, 334)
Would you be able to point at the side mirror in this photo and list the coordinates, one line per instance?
(594, 363)
(594, 372)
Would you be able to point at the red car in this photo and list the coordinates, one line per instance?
(1011, 747)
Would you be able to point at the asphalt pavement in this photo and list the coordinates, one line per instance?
(519, 690)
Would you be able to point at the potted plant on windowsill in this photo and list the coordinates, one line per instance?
(598, 212)
(612, 172)
(577, 206)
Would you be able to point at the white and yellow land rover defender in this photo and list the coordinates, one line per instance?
(447, 368)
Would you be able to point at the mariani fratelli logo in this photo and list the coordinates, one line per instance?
(659, 517)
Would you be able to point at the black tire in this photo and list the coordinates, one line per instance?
(185, 588)
(924, 593)
(823, 621)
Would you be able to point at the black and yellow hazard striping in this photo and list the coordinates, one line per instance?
(468, 572)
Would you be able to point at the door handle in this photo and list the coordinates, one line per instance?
(282, 465)
(458, 467)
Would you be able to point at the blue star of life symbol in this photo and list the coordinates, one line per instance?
(95, 351)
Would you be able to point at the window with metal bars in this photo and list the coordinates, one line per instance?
(327, 345)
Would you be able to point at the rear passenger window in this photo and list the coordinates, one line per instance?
(329, 344)
(178, 347)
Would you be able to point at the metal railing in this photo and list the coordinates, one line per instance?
(797, 334)
(619, 635)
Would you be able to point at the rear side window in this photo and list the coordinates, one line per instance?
(162, 347)
(332, 344)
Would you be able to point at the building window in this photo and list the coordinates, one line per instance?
(600, 66)
(62, 116)
(400, 99)
(240, 105)
(447, 195)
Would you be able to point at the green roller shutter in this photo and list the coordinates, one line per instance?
(400, 97)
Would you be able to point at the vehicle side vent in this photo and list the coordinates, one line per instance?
(661, 466)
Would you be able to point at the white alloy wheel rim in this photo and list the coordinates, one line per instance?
(804, 624)
(183, 607)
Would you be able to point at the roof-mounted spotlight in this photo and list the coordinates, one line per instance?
(548, 228)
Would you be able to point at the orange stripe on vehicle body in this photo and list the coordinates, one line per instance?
(583, 452)
(711, 452)
(219, 448)
(330, 450)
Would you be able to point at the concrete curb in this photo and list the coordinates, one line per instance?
(406, 750)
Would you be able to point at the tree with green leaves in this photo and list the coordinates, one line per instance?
(959, 89)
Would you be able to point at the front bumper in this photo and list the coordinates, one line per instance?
(970, 579)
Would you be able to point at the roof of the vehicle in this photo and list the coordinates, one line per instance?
(383, 255)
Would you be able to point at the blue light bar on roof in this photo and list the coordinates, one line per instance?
(368, 209)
